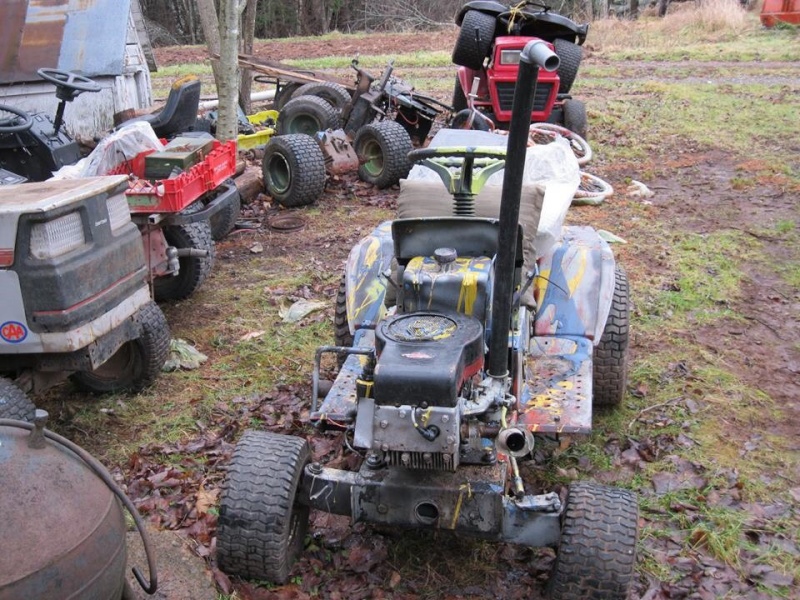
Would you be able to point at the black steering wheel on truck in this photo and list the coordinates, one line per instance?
(68, 85)
(17, 122)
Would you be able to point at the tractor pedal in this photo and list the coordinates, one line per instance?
(556, 395)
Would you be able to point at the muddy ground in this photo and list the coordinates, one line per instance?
(695, 192)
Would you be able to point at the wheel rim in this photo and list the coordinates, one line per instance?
(279, 173)
(374, 158)
(120, 365)
(304, 124)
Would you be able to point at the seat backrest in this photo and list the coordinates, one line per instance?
(180, 111)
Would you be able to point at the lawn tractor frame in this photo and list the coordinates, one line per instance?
(447, 381)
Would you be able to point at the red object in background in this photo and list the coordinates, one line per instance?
(787, 11)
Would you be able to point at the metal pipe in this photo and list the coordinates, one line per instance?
(535, 54)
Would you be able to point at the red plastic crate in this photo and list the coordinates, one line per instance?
(176, 193)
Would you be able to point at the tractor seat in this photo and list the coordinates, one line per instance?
(180, 111)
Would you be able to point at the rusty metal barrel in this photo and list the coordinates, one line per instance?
(62, 529)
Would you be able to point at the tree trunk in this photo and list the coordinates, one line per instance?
(208, 20)
(248, 35)
(228, 82)
(633, 9)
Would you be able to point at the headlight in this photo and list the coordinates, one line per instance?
(57, 237)
(509, 57)
(119, 213)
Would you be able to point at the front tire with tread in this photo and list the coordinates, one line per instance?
(610, 361)
(570, 56)
(470, 51)
(382, 150)
(14, 404)
(597, 554)
(575, 117)
(294, 170)
(224, 221)
(137, 363)
(261, 528)
(193, 270)
(333, 93)
(307, 114)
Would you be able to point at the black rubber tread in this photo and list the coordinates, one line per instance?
(610, 361)
(307, 114)
(293, 168)
(193, 269)
(287, 89)
(597, 554)
(224, 221)
(333, 93)
(575, 117)
(14, 404)
(394, 144)
(470, 52)
(459, 98)
(341, 326)
(261, 529)
(146, 357)
(570, 56)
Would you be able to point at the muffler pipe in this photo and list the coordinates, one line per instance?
(535, 54)
(515, 441)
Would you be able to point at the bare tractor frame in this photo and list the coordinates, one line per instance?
(442, 422)
(324, 129)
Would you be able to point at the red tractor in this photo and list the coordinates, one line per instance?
(487, 53)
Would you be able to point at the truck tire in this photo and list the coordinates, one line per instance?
(382, 150)
(575, 117)
(610, 361)
(294, 170)
(597, 554)
(470, 51)
(334, 94)
(224, 221)
(14, 404)
(193, 270)
(261, 528)
(137, 363)
(570, 56)
(307, 114)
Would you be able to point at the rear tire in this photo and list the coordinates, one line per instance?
(261, 528)
(334, 94)
(285, 94)
(570, 56)
(224, 221)
(14, 404)
(597, 554)
(382, 150)
(193, 270)
(610, 377)
(294, 170)
(575, 117)
(470, 52)
(137, 363)
(307, 114)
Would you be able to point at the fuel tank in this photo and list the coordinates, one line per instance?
(62, 529)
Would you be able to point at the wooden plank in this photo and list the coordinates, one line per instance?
(286, 72)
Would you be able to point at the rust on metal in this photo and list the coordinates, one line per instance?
(340, 156)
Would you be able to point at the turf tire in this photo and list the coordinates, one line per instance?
(382, 150)
(193, 270)
(137, 364)
(570, 56)
(597, 553)
(575, 117)
(610, 376)
(14, 404)
(334, 94)
(224, 221)
(261, 528)
(294, 170)
(307, 114)
(470, 52)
